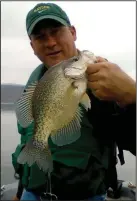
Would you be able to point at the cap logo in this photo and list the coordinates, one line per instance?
(41, 9)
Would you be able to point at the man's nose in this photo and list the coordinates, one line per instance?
(50, 42)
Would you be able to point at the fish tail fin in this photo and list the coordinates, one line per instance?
(30, 154)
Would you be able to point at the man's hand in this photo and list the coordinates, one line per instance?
(108, 82)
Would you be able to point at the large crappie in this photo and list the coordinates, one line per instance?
(52, 103)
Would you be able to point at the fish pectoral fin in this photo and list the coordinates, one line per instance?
(85, 101)
(69, 133)
(31, 155)
(23, 107)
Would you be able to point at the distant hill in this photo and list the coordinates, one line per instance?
(10, 93)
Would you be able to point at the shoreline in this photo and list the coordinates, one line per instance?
(7, 107)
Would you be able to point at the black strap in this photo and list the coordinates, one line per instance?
(20, 189)
(121, 156)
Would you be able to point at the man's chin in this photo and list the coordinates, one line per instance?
(55, 62)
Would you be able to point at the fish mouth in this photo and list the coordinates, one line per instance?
(53, 53)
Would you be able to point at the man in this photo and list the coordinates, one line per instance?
(81, 169)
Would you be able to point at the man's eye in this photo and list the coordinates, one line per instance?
(76, 59)
(39, 37)
(55, 31)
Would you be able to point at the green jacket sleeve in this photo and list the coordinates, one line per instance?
(26, 133)
(35, 76)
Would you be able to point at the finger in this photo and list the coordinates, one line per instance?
(98, 93)
(101, 59)
(93, 85)
(93, 77)
(93, 68)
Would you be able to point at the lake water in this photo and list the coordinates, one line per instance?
(10, 138)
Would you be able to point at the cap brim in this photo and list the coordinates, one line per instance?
(46, 17)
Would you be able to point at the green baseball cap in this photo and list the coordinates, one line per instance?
(45, 11)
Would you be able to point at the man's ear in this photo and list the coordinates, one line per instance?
(73, 31)
(31, 44)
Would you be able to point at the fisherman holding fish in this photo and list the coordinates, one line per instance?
(74, 109)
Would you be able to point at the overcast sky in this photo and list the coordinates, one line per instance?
(105, 28)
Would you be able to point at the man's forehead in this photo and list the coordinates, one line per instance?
(46, 24)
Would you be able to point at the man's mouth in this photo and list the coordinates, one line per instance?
(53, 53)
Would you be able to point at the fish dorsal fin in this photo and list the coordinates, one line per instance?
(69, 133)
(23, 107)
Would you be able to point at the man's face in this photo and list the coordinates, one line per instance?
(52, 42)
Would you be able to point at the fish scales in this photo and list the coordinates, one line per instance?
(53, 105)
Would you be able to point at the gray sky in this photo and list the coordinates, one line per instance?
(105, 28)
